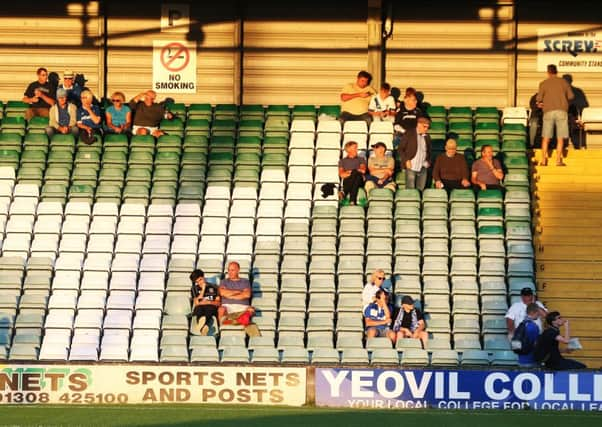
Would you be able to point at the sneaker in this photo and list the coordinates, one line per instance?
(362, 202)
(344, 202)
(560, 163)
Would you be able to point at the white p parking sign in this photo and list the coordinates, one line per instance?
(174, 67)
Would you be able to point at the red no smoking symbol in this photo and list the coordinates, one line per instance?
(175, 56)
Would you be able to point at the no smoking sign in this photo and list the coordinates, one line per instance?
(174, 67)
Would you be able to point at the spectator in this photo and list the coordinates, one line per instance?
(535, 120)
(205, 301)
(377, 317)
(408, 112)
(553, 97)
(575, 110)
(382, 106)
(518, 311)
(548, 351)
(410, 322)
(118, 116)
(39, 95)
(89, 119)
(487, 172)
(63, 116)
(352, 169)
(148, 114)
(235, 293)
(380, 169)
(532, 332)
(355, 99)
(415, 153)
(451, 170)
(73, 89)
(377, 278)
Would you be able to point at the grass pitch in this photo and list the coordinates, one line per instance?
(264, 416)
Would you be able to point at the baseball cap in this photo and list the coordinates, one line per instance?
(379, 144)
(61, 93)
(407, 300)
(68, 74)
(526, 291)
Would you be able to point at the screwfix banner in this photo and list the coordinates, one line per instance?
(569, 50)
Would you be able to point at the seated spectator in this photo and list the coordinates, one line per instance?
(380, 169)
(377, 279)
(547, 350)
(535, 121)
(89, 119)
(118, 116)
(148, 114)
(518, 311)
(415, 153)
(382, 106)
(62, 116)
(487, 172)
(355, 99)
(205, 301)
(235, 293)
(352, 169)
(408, 113)
(532, 331)
(451, 170)
(39, 95)
(73, 89)
(410, 322)
(377, 317)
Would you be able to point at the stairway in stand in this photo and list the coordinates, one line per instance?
(567, 216)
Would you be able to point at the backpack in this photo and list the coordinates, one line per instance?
(521, 344)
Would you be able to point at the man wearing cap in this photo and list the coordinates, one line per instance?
(415, 154)
(62, 116)
(39, 95)
(410, 322)
(205, 301)
(352, 169)
(518, 311)
(377, 317)
(451, 169)
(380, 169)
(72, 89)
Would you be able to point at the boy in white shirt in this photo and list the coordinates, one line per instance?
(382, 105)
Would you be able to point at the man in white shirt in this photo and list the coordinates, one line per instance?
(518, 311)
(382, 105)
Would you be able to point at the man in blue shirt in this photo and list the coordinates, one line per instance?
(532, 332)
(378, 317)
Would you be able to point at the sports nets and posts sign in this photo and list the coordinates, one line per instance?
(122, 384)
(579, 50)
(456, 389)
(174, 67)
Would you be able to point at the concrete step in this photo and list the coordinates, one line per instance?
(566, 269)
(568, 288)
(585, 328)
(586, 307)
(562, 250)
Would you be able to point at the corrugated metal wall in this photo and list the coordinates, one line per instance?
(132, 29)
(58, 35)
(538, 15)
(456, 55)
(302, 55)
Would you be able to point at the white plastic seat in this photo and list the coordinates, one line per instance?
(120, 300)
(301, 157)
(130, 225)
(301, 139)
(186, 226)
(101, 243)
(117, 319)
(125, 262)
(272, 191)
(300, 174)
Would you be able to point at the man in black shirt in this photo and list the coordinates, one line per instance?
(409, 322)
(547, 350)
(206, 300)
(39, 95)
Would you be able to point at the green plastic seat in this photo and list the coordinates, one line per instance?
(144, 141)
(329, 110)
(193, 158)
(9, 157)
(197, 127)
(517, 145)
(275, 142)
(248, 144)
(38, 122)
(81, 191)
(490, 195)
(33, 156)
(491, 230)
(460, 127)
(36, 139)
(246, 175)
(304, 112)
(455, 112)
(248, 159)
(167, 158)
(140, 158)
(219, 175)
(165, 174)
(54, 190)
(220, 158)
(251, 111)
(192, 174)
(63, 141)
(273, 160)
(514, 129)
(177, 108)
(11, 140)
(225, 111)
(277, 110)
(495, 145)
(200, 110)
(221, 142)
(115, 140)
(191, 191)
(174, 126)
(196, 142)
(60, 157)
(250, 127)
(516, 161)
(55, 174)
(112, 174)
(278, 123)
(140, 174)
(486, 112)
(114, 158)
(30, 173)
(487, 128)
(438, 127)
(17, 122)
(87, 157)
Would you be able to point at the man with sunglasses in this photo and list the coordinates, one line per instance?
(376, 281)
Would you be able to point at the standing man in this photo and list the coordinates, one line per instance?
(415, 153)
(235, 293)
(39, 95)
(553, 97)
(355, 99)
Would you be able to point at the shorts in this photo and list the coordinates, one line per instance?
(558, 119)
(150, 129)
(235, 308)
(380, 332)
